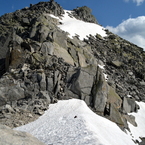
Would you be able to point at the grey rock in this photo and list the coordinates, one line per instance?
(84, 13)
(9, 108)
(142, 83)
(113, 98)
(116, 63)
(33, 31)
(43, 33)
(131, 119)
(99, 92)
(74, 55)
(25, 21)
(71, 94)
(115, 116)
(82, 60)
(45, 95)
(17, 39)
(50, 84)
(35, 46)
(43, 82)
(47, 48)
(60, 52)
(11, 93)
(72, 83)
(129, 105)
(60, 38)
(16, 57)
(13, 137)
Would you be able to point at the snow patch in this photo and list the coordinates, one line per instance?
(77, 27)
(53, 16)
(71, 122)
(106, 76)
(101, 66)
(129, 96)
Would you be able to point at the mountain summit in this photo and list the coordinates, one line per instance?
(48, 54)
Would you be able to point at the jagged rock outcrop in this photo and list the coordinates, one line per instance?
(84, 13)
(13, 137)
(40, 64)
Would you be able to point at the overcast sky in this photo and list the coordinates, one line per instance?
(123, 17)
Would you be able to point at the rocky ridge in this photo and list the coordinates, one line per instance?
(40, 64)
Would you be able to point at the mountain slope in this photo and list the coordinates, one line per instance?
(40, 64)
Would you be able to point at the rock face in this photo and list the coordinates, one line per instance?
(11, 137)
(84, 13)
(40, 64)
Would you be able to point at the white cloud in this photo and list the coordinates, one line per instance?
(132, 29)
(138, 2)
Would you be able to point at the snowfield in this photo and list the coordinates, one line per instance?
(71, 122)
(77, 27)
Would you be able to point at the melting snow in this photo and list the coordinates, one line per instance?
(138, 131)
(71, 122)
(77, 27)
(101, 66)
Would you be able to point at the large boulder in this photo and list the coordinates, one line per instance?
(80, 82)
(129, 105)
(47, 48)
(10, 93)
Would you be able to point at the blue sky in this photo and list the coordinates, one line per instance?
(109, 13)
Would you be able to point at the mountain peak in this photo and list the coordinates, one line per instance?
(84, 13)
(51, 7)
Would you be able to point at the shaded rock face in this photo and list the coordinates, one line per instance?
(12, 137)
(40, 64)
(99, 92)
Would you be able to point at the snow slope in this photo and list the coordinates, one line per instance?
(139, 131)
(71, 122)
(81, 28)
